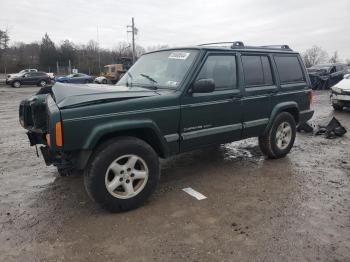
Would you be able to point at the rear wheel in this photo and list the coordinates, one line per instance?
(337, 107)
(104, 81)
(16, 84)
(279, 139)
(122, 174)
(42, 83)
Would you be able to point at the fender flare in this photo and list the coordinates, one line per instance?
(99, 131)
(284, 106)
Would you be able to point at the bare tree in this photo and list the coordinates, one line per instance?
(314, 55)
(334, 58)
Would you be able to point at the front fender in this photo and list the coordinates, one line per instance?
(99, 131)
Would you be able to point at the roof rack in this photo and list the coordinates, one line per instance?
(240, 44)
(285, 47)
(233, 44)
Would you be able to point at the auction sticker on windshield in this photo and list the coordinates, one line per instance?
(179, 55)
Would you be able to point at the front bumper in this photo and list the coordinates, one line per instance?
(340, 99)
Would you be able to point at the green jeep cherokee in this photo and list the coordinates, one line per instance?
(169, 102)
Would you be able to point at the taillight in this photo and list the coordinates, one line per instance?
(48, 140)
(58, 134)
(311, 97)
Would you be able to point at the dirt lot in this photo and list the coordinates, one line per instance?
(292, 209)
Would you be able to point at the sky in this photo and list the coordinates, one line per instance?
(298, 23)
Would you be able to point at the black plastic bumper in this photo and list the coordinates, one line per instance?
(305, 115)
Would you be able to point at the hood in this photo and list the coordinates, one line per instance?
(344, 84)
(13, 75)
(72, 95)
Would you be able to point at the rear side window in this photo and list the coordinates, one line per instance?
(222, 69)
(257, 70)
(289, 69)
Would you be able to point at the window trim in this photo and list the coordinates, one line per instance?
(271, 69)
(301, 68)
(205, 58)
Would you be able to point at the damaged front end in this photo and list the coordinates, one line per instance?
(40, 115)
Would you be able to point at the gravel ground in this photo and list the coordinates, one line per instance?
(291, 209)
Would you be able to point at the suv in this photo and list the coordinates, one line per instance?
(170, 101)
(31, 78)
(22, 72)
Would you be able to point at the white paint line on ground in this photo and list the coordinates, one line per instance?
(194, 193)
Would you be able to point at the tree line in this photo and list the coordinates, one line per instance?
(90, 58)
(61, 58)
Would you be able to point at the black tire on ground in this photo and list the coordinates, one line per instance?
(337, 107)
(268, 141)
(69, 172)
(95, 176)
(16, 84)
(104, 81)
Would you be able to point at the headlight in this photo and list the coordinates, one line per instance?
(336, 90)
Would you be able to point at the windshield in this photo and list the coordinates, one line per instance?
(163, 69)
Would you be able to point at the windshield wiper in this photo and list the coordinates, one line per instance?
(130, 76)
(150, 79)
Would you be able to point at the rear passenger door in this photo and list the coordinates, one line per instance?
(212, 118)
(292, 79)
(259, 85)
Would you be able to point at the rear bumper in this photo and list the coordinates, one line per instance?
(305, 115)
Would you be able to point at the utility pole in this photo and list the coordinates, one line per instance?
(133, 32)
(98, 50)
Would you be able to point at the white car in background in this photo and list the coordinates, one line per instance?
(340, 96)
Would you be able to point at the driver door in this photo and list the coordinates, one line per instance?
(215, 117)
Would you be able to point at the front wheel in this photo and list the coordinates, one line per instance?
(279, 139)
(16, 84)
(122, 174)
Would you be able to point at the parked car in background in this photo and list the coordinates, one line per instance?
(20, 73)
(324, 76)
(31, 78)
(101, 80)
(78, 78)
(340, 96)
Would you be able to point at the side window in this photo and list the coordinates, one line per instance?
(257, 70)
(222, 69)
(289, 69)
(339, 68)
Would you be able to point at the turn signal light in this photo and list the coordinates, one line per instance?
(58, 131)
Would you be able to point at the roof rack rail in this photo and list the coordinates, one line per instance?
(285, 47)
(233, 44)
(240, 44)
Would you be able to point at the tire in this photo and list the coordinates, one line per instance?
(42, 83)
(337, 107)
(279, 139)
(16, 84)
(86, 81)
(104, 81)
(110, 166)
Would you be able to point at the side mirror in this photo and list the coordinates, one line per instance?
(203, 86)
